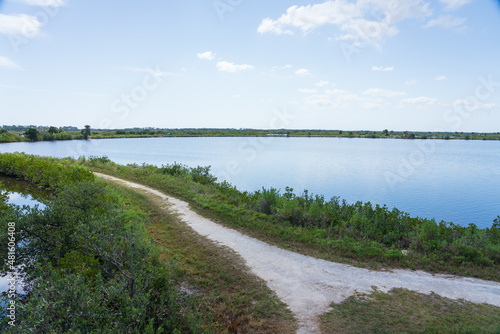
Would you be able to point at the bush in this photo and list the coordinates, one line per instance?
(47, 172)
(91, 268)
(202, 175)
(48, 136)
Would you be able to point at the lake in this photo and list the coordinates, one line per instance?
(452, 180)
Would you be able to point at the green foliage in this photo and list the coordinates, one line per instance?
(63, 136)
(53, 130)
(47, 136)
(86, 132)
(202, 175)
(74, 133)
(7, 137)
(47, 172)
(3, 198)
(175, 169)
(89, 263)
(101, 160)
(32, 134)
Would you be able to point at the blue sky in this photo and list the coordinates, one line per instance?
(343, 64)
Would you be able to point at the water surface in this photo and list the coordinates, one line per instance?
(450, 180)
(20, 193)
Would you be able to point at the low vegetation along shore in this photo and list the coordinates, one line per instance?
(361, 233)
(34, 133)
(130, 266)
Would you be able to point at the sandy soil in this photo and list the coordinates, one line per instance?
(308, 285)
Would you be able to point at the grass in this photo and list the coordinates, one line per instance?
(238, 301)
(404, 311)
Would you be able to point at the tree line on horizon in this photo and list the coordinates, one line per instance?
(17, 133)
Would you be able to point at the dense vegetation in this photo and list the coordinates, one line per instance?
(333, 229)
(90, 266)
(33, 133)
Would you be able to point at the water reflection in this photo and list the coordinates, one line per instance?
(24, 194)
(21, 192)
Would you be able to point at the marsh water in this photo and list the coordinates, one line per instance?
(21, 193)
(452, 180)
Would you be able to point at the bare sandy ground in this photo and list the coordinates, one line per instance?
(308, 285)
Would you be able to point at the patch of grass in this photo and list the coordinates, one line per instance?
(405, 311)
(239, 302)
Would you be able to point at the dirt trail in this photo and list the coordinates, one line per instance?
(308, 285)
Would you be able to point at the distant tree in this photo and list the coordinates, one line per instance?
(2, 131)
(385, 133)
(53, 130)
(86, 132)
(31, 134)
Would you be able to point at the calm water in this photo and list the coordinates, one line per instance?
(20, 193)
(457, 181)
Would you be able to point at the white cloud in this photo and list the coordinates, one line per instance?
(208, 55)
(441, 78)
(383, 93)
(447, 21)
(410, 82)
(370, 20)
(45, 3)
(25, 25)
(226, 66)
(475, 106)
(368, 32)
(287, 66)
(420, 100)
(310, 17)
(236, 96)
(454, 4)
(383, 69)
(306, 91)
(268, 26)
(6, 62)
(303, 72)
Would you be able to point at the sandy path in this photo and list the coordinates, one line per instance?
(308, 285)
